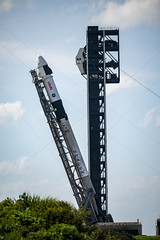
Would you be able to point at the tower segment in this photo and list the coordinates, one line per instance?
(99, 61)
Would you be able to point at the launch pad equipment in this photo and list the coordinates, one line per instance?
(95, 61)
(100, 66)
(98, 62)
(66, 143)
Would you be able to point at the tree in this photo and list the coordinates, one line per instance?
(35, 218)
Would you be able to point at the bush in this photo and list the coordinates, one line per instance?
(31, 216)
(35, 218)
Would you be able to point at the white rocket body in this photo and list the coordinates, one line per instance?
(45, 72)
(51, 88)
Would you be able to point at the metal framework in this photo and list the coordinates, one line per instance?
(102, 66)
(83, 198)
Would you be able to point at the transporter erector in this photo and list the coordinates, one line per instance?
(66, 143)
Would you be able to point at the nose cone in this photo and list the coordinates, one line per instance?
(41, 61)
(42, 67)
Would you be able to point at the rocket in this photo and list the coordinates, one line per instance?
(45, 73)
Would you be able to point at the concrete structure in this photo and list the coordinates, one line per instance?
(158, 226)
(134, 228)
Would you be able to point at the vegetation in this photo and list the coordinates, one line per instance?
(35, 218)
(147, 237)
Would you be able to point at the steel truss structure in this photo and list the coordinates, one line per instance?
(102, 67)
(84, 199)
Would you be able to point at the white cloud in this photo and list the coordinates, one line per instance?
(72, 8)
(135, 187)
(6, 5)
(21, 164)
(152, 116)
(41, 113)
(97, 5)
(18, 166)
(125, 82)
(11, 189)
(14, 50)
(31, 4)
(158, 121)
(4, 167)
(60, 62)
(43, 188)
(128, 13)
(10, 111)
(148, 117)
(70, 39)
(26, 55)
(132, 196)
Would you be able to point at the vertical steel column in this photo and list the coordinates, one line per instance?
(101, 67)
(96, 115)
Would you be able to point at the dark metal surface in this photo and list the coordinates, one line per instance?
(102, 61)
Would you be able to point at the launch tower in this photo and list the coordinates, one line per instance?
(99, 61)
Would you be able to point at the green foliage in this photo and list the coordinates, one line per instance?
(35, 218)
(147, 237)
(99, 234)
(59, 231)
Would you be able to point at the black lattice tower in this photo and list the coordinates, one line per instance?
(102, 65)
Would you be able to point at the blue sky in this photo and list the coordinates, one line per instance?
(29, 160)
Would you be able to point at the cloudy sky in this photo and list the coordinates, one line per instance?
(29, 160)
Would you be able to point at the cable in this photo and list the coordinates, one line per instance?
(122, 117)
(67, 77)
(21, 164)
(73, 81)
(11, 53)
(15, 56)
(134, 154)
(140, 83)
(148, 61)
(14, 35)
(33, 130)
(18, 38)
